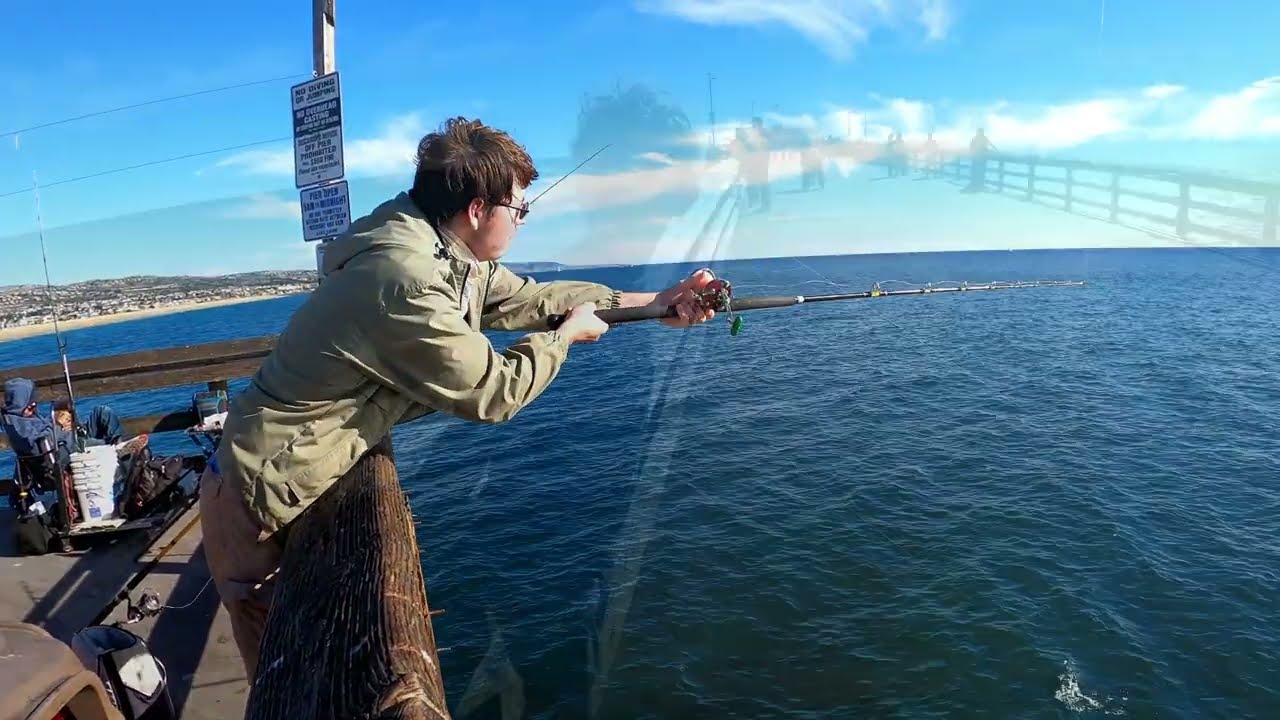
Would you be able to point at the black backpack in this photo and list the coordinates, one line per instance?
(148, 481)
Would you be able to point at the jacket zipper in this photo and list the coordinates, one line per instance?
(464, 296)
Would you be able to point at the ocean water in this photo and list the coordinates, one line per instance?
(1031, 503)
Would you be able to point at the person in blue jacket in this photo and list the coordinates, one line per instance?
(24, 424)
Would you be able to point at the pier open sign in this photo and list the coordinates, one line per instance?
(326, 211)
(317, 131)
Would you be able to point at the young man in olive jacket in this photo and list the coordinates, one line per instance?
(393, 333)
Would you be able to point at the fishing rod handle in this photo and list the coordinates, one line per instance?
(651, 312)
(763, 303)
(621, 315)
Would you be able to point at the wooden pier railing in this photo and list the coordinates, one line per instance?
(212, 363)
(350, 632)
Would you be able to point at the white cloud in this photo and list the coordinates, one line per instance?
(261, 162)
(1249, 112)
(1159, 92)
(935, 16)
(264, 206)
(391, 151)
(1155, 112)
(1052, 127)
(657, 157)
(582, 192)
(835, 26)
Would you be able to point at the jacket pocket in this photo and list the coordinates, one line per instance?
(319, 459)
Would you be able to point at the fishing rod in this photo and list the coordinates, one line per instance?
(48, 287)
(718, 296)
(566, 175)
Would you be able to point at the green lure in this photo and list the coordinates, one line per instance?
(736, 327)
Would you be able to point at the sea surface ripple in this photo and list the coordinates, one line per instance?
(1033, 503)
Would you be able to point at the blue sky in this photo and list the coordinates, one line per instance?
(1183, 82)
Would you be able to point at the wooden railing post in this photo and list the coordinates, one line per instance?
(349, 633)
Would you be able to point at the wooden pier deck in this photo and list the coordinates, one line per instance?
(64, 592)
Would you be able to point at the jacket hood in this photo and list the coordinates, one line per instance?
(18, 394)
(24, 433)
(395, 223)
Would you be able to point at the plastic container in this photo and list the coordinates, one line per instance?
(209, 403)
(93, 475)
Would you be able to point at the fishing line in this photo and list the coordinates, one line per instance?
(815, 272)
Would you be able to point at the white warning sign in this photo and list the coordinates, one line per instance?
(326, 211)
(317, 131)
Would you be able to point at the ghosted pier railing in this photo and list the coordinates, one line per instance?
(1179, 203)
(350, 632)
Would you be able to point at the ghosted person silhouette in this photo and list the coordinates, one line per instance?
(758, 151)
(653, 159)
(812, 173)
(979, 147)
(931, 157)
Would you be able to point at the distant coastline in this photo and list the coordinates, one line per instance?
(26, 331)
(265, 285)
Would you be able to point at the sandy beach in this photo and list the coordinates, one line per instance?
(16, 333)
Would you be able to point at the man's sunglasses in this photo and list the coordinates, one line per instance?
(522, 209)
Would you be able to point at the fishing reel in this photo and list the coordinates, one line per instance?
(718, 296)
(148, 606)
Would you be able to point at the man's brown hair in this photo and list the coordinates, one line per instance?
(463, 160)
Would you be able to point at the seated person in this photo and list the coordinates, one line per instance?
(24, 425)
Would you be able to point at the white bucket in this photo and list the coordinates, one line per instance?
(93, 475)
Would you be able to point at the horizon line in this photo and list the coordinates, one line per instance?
(589, 266)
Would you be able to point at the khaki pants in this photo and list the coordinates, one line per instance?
(243, 561)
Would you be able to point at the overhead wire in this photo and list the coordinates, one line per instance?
(145, 103)
(156, 101)
(149, 164)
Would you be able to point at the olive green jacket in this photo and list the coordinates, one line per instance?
(392, 332)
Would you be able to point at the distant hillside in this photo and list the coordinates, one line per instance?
(532, 267)
(254, 279)
(30, 305)
(189, 282)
